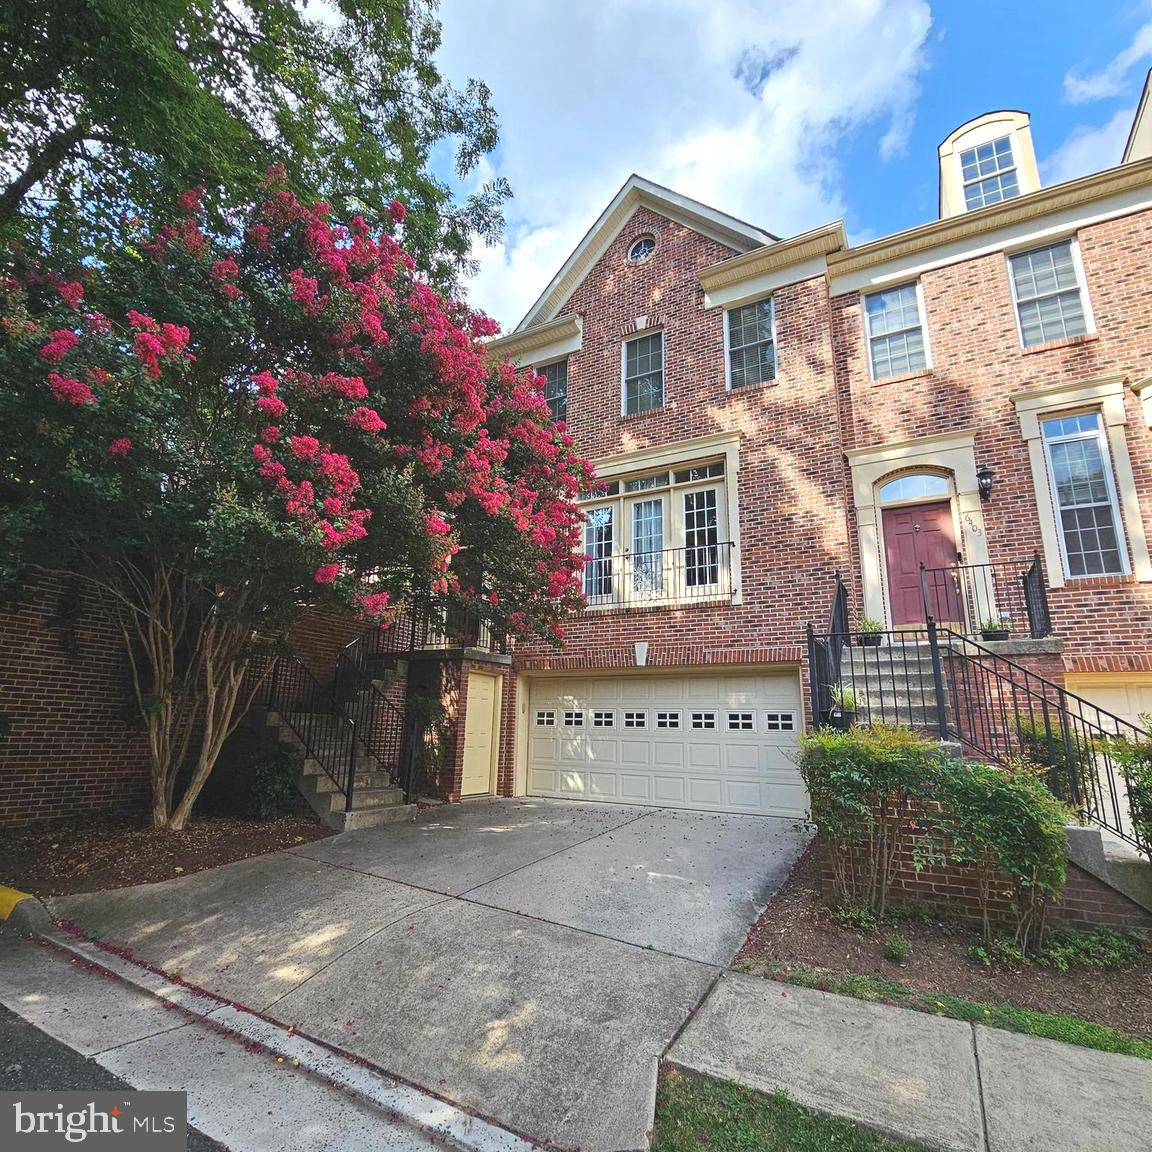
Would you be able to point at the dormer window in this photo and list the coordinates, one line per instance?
(989, 172)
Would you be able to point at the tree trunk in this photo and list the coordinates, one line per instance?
(52, 154)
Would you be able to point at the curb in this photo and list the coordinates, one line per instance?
(23, 913)
(400, 1102)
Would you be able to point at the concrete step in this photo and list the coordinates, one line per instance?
(376, 779)
(376, 798)
(1111, 861)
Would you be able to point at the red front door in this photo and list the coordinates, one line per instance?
(922, 534)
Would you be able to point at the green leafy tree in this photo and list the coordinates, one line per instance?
(213, 430)
(111, 108)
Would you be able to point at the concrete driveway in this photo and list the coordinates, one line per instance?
(528, 959)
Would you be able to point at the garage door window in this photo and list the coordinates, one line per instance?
(635, 719)
(704, 721)
(546, 719)
(603, 719)
(659, 536)
(740, 722)
(779, 722)
(573, 719)
(669, 720)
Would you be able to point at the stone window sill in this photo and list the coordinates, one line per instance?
(1056, 345)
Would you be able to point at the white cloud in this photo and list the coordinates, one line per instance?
(740, 103)
(1111, 80)
(1088, 149)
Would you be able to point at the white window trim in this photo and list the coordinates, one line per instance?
(679, 454)
(1101, 437)
(632, 336)
(728, 346)
(1105, 394)
(923, 316)
(1081, 284)
(1143, 391)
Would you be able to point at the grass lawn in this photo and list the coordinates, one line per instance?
(1053, 1026)
(694, 1114)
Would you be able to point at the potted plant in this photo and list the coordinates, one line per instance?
(996, 629)
(869, 633)
(843, 713)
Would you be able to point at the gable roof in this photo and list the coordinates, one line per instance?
(1139, 143)
(636, 193)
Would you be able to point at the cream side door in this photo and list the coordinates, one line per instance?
(481, 731)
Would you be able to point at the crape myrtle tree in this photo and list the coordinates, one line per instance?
(110, 108)
(215, 429)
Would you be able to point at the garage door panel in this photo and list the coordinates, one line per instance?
(704, 756)
(602, 751)
(623, 744)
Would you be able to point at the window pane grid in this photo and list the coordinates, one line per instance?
(598, 537)
(556, 389)
(1082, 490)
(644, 373)
(1048, 297)
(751, 348)
(989, 173)
(895, 332)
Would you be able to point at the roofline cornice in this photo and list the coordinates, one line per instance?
(1070, 194)
(567, 327)
(760, 261)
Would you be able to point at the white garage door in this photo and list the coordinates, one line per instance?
(715, 743)
(1128, 700)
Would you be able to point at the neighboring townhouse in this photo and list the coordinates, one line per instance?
(956, 418)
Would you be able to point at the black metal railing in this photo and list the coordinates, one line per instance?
(696, 574)
(312, 712)
(1005, 711)
(941, 682)
(377, 722)
(985, 599)
(875, 678)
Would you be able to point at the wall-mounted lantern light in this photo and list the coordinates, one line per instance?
(984, 479)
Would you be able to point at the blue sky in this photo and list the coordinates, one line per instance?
(787, 113)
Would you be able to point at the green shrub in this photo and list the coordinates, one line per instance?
(897, 949)
(861, 782)
(1134, 758)
(860, 919)
(273, 782)
(1099, 948)
(1009, 829)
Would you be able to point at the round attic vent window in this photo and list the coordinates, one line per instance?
(641, 249)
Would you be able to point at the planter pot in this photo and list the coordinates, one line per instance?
(994, 633)
(842, 718)
(869, 639)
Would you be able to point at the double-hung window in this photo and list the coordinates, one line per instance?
(751, 337)
(1048, 287)
(1084, 495)
(644, 374)
(989, 173)
(895, 323)
(556, 388)
(657, 536)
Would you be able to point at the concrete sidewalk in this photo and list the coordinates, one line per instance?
(947, 1083)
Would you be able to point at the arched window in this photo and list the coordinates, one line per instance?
(915, 486)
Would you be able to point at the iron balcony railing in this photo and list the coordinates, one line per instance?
(975, 599)
(697, 574)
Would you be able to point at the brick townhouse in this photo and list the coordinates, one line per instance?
(935, 415)
(942, 411)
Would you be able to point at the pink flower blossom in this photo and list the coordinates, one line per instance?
(436, 525)
(174, 337)
(272, 405)
(261, 453)
(366, 419)
(270, 434)
(149, 349)
(305, 447)
(266, 382)
(327, 573)
(60, 343)
(373, 603)
(139, 320)
(397, 211)
(120, 447)
(190, 200)
(72, 293)
(69, 391)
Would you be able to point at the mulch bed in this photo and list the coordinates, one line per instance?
(106, 850)
(795, 929)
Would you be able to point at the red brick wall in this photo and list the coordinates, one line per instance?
(1084, 903)
(977, 364)
(66, 697)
